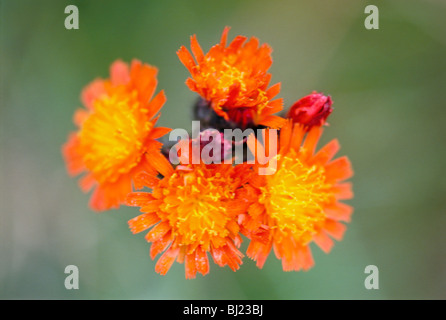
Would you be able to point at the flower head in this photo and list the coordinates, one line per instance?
(300, 202)
(117, 133)
(311, 110)
(192, 211)
(234, 81)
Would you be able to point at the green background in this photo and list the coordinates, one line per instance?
(388, 87)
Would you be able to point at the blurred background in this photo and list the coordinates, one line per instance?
(390, 113)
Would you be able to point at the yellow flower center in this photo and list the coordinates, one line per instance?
(230, 75)
(196, 206)
(222, 76)
(225, 72)
(113, 136)
(294, 198)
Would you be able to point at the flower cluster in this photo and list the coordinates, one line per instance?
(193, 211)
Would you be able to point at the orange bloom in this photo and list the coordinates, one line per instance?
(116, 135)
(194, 210)
(300, 202)
(234, 80)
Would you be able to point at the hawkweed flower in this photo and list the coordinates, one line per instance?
(116, 136)
(233, 80)
(311, 110)
(192, 211)
(300, 202)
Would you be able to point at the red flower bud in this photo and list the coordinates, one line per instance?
(311, 110)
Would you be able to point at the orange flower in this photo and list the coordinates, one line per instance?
(299, 203)
(234, 80)
(194, 209)
(117, 133)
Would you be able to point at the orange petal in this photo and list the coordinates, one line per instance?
(217, 255)
(339, 169)
(93, 91)
(266, 63)
(110, 195)
(227, 255)
(306, 260)
(312, 139)
(233, 228)
(233, 257)
(186, 59)
(160, 245)
(296, 258)
(297, 136)
(273, 91)
(159, 162)
(339, 211)
(138, 199)
(285, 135)
(252, 44)
(201, 261)
(258, 252)
(152, 206)
(224, 36)
(100, 202)
(190, 266)
(343, 191)
(158, 132)
(236, 43)
(323, 241)
(256, 209)
(144, 167)
(182, 254)
(158, 231)
(196, 49)
(274, 122)
(273, 106)
(156, 104)
(142, 222)
(144, 179)
(238, 241)
(262, 234)
(73, 157)
(166, 260)
(238, 206)
(326, 153)
(119, 73)
(80, 115)
(87, 182)
(192, 85)
(143, 80)
(334, 229)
